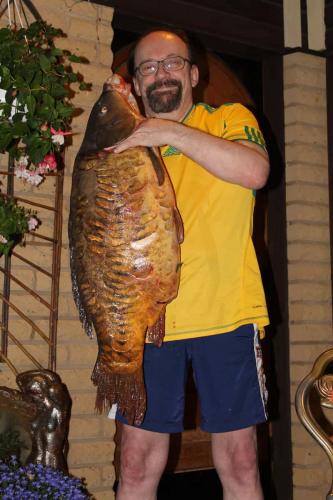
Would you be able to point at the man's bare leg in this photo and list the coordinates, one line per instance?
(235, 460)
(143, 458)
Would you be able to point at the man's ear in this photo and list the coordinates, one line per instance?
(194, 75)
(136, 86)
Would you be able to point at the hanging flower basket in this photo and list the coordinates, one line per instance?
(35, 107)
(15, 222)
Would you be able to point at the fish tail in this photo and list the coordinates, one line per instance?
(126, 390)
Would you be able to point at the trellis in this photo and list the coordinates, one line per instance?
(48, 337)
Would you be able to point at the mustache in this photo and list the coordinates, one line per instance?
(162, 83)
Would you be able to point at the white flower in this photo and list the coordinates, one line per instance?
(23, 161)
(58, 139)
(32, 223)
(34, 179)
(3, 239)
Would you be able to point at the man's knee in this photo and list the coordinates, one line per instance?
(235, 456)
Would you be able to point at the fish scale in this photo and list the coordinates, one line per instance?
(125, 234)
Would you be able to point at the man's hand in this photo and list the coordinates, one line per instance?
(149, 132)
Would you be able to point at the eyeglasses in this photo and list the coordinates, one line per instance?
(174, 63)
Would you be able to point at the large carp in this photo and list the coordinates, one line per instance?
(125, 233)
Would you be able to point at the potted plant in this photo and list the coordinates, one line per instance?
(15, 222)
(36, 481)
(35, 106)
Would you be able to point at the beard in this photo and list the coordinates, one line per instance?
(167, 101)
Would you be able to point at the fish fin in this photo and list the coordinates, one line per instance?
(126, 390)
(179, 225)
(156, 332)
(157, 164)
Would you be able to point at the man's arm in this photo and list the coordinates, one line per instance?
(239, 162)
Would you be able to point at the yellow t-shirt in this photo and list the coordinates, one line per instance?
(220, 286)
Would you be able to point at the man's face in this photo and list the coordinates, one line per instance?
(165, 91)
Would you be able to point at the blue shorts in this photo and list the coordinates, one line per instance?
(229, 378)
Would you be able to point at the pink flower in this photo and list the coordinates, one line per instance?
(58, 136)
(48, 163)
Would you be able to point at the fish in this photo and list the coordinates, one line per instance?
(125, 233)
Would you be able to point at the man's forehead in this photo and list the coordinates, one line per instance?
(160, 44)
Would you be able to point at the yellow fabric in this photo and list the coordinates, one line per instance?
(220, 287)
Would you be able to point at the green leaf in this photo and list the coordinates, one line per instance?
(31, 104)
(44, 63)
(85, 86)
(56, 52)
(19, 129)
(5, 77)
(74, 58)
(58, 90)
(37, 80)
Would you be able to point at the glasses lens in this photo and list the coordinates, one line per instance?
(148, 68)
(173, 63)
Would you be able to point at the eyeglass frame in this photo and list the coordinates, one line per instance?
(161, 61)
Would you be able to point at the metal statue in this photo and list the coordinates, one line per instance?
(323, 384)
(43, 407)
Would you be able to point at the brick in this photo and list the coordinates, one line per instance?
(303, 478)
(308, 270)
(306, 352)
(310, 311)
(302, 59)
(298, 371)
(108, 427)
(86, 354)
(94, 73)
(108, 475)
(310, 331)
(40, 255)
(305, 113)
(307, 153)
(104, 53)
(310, 291)
(70, 330)
(82, 28)
(306, 172)
(304, 132)
(304, 95)
(299, 191)
(90, 451)
(295, 74)
(76, 378)
(85, 9)
(85, 427)
(308, 232)
(39, 352)
(309, 494)
(307, 212)
(103, 494)
(83, 402)
(92, 474)
(303, 250)
(7, 377)
(26, 276)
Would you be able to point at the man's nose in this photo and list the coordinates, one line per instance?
(161, 69)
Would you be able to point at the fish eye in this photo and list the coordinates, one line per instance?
(104, 109)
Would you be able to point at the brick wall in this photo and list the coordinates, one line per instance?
(309, 264)
(89, 31)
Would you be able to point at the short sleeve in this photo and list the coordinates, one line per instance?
(239, 124)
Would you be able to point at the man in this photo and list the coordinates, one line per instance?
(216, 159)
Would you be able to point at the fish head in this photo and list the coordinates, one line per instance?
(111, 120)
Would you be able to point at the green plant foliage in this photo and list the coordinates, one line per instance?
(36, 77)
(15, 221)
(10, 444)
